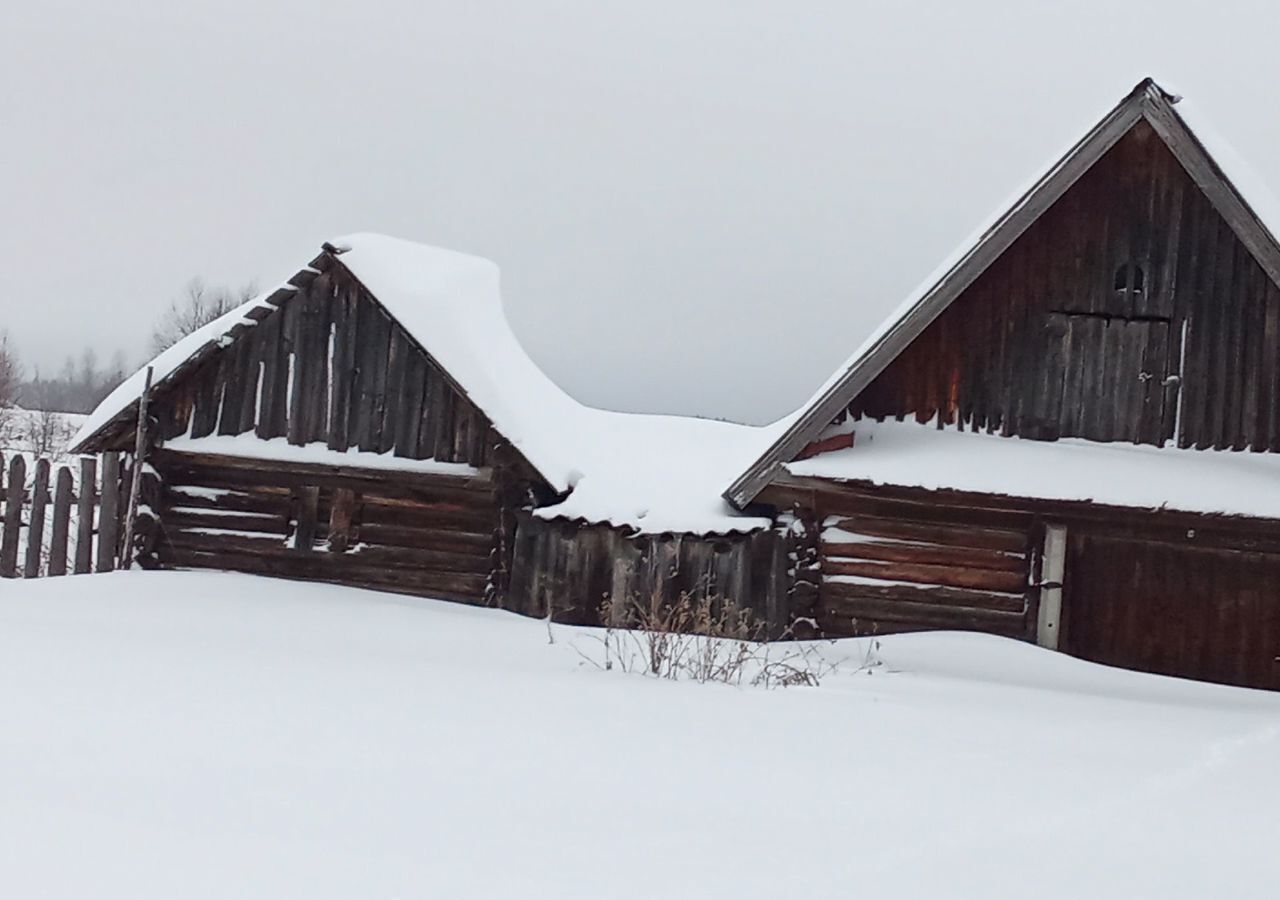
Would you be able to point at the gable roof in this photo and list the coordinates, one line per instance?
(1255, 221)
(648, 473)
(448, 302)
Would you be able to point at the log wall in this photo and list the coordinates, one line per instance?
(429, 535)
(1129, 309)
(1196, 596)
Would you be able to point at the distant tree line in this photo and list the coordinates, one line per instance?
(82, 383)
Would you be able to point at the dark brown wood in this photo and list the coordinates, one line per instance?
(86, 503)
(341, 512)
(308, 499)
(35, 524)
(108, 513)
(836, 593)
(925, 554)
(15, 495)
(916, 529)
(140, 446)
(952, 576)
(195, 518)
(58, 539)
(1207, 614)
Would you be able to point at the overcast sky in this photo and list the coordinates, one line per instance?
(698, 207)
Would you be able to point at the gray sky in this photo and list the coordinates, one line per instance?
(699, 207)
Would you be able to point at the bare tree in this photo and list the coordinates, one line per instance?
(200, 305)
(44, 430)
(10, 373)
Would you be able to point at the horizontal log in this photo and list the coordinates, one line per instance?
(274, 503)
(925, 615)
(189, 518)
(947, 576)
(475, 518)
(333, 567)
(392, 536)
(434, 559)
(835, 593)
(204, 542)
(389, 483)
(951, 535)
(926, 554)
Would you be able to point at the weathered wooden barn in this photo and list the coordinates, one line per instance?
(1070, 435)
(375, 422)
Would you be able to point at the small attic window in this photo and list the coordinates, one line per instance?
(1130, 280)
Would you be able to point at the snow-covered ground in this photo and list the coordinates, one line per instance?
(209, 735)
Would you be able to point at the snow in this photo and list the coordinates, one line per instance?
(650, 473)
(249, 446)
(655, 474)
(32, 431)
(647, 473)
(209, 735)
(910, 454)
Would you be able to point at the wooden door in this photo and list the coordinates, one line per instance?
(1116, 378)
(1178, 610)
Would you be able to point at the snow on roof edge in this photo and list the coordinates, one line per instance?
(168, 362)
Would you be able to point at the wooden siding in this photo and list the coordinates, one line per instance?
(1062, 336)
(430, 535)
(574, 568)
(1211, 614)
(328, 365)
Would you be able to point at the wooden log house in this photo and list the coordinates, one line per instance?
(1071, 436)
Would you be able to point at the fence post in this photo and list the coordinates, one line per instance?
(12, 517)
(35, 525)
(85, 505)
(109, 512)
(61, 523)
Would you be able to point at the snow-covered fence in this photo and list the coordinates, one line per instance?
(57, 519)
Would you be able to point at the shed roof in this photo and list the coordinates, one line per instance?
(1210, 162)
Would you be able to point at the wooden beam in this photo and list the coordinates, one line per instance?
(35, 524)
(135, 483)
(86, 503)
(1052, 571)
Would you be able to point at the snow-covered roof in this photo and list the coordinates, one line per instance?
(908, 454)
(1230, 184)
(652, 473)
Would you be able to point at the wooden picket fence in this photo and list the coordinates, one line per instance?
(64, 518)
